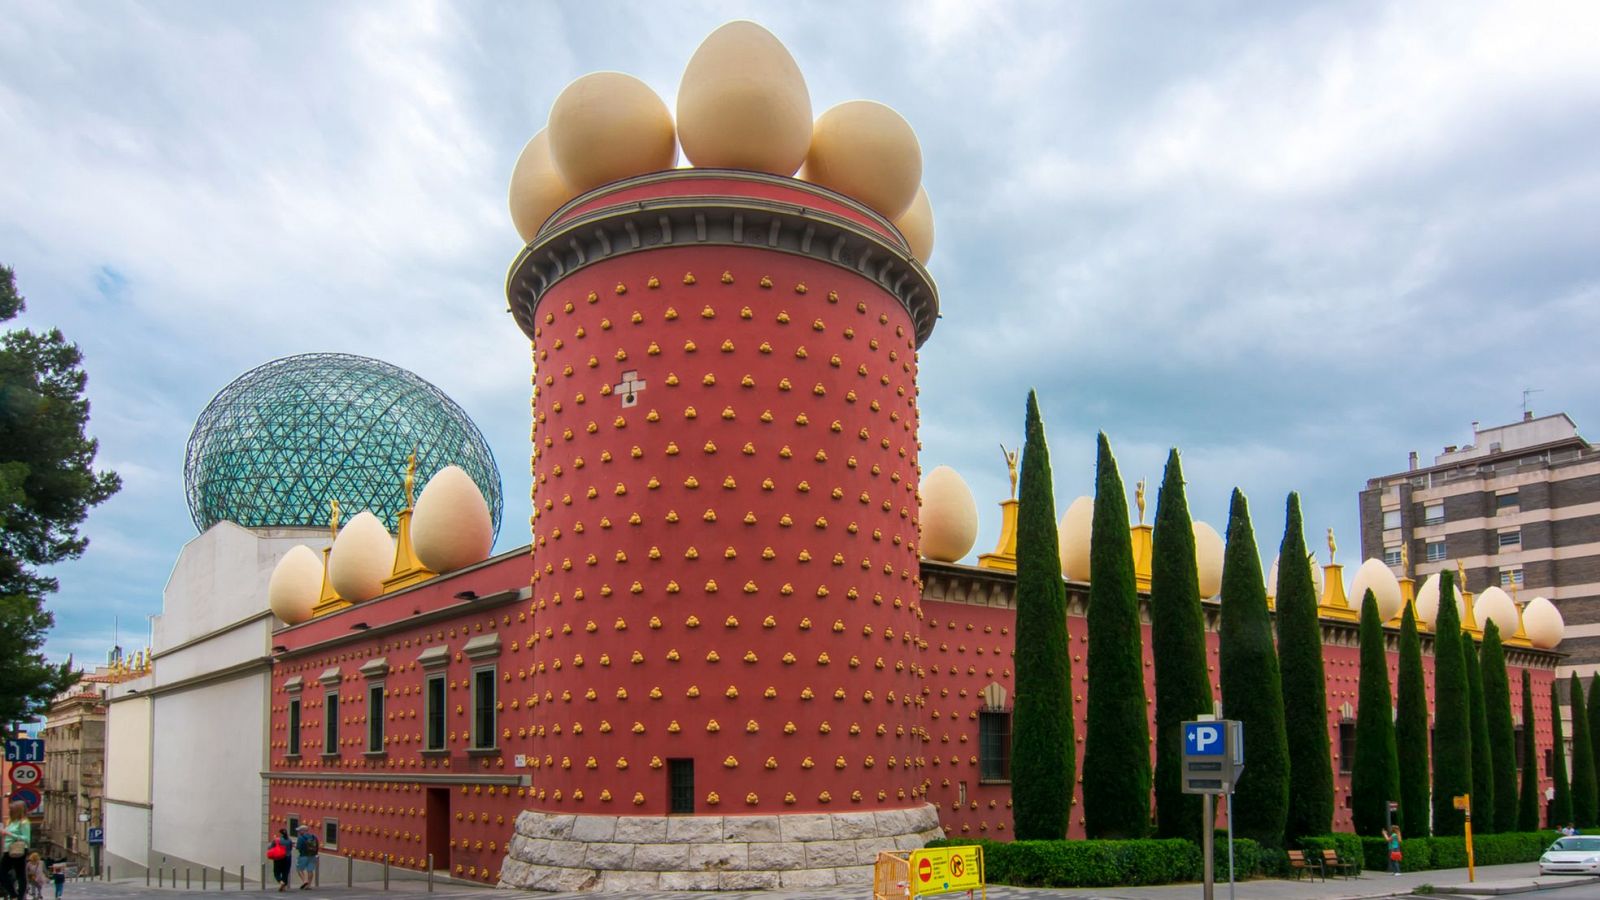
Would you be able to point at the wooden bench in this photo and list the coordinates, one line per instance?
(1332, 861)
(1299, 865)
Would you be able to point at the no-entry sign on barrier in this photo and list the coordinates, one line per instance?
(944, 870)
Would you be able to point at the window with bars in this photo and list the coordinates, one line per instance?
(294, 727)
(435, 713)
(375, 718)
(994, 745)
(1433, 551)
(483, 711)
(1508, 501)
(1391, 519)
(1510, 538)
(1511, 577)
(330, 722)
(1391, 556)
(1522, 752)
(1433, 513)
(680, 786)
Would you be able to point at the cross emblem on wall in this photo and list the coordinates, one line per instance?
(629, 388)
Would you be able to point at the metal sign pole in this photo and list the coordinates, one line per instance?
(1230, 842)
(1208, 837)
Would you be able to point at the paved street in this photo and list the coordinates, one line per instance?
(1370, 885)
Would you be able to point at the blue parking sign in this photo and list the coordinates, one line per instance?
(97, 836)
(1204, 739)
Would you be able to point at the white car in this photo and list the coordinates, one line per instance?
(1578, 855)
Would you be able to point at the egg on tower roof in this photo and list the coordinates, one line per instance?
(868, 151)
(362, 557)
(450, 527)
(1072, 538)
(296, 581)
(743, 103)
(606, 126)
(949, 517)
(1378, 578)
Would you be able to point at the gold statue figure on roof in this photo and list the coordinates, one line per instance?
(1138, 499)
(411, 479)
(1011, 468)
(333, 519)
(1333, 548)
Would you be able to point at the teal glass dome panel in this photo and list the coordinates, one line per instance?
(282, 440)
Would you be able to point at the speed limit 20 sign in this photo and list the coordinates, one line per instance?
(25, 774)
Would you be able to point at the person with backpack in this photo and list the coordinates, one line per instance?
(306, 847)
(279, 852)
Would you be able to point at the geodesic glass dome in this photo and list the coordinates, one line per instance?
(283, 439)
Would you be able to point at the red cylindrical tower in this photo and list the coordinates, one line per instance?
(725, 599)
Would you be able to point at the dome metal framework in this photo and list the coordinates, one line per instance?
(282, 440)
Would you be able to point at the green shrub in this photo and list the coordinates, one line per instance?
(1249, 858)
(1089, 863)
(1419, 854)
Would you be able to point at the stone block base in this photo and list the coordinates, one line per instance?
(554, 852)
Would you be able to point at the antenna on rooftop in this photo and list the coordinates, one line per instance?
(1526, 393)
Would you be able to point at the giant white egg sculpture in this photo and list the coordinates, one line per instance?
(865, 150)
(743, 103)
(295, 585)
(1208, 553)
(1072, 539)
(451, 526)
(607, 125)
(1378, 578)
(1428, 600)
(1542, 622)
(362, 557)
(949, 516)
(537, 189)
(1497, 606)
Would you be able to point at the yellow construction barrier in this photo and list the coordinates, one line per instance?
(891, 877)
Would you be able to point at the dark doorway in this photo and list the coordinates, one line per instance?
(438, 823)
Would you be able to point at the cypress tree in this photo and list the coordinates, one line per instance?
(1375, 774)
(1411, 736)
(1043, 750)
(1482, 753)
(1502, 734)
(1178, 649)
(1528, 797)
(1251, 690)
(1116, 750)
(1583, 785)
(1452, 744)
(1562, 813)
(1594, 731)
(1305, 690)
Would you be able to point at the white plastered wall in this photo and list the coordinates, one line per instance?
(206, 780)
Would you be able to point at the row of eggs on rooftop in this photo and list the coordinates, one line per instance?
(742, 104)
(949, 520)
(450, 529)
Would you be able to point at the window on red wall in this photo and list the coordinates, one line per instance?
(1347, 747)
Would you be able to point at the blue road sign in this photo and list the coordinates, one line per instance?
(97, 836)
(24, 750)
(28, 797)
(1204, 739)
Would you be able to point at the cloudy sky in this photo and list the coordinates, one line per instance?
(1296, 240)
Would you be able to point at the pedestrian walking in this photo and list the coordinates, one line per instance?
(1392, 835)
(279, 852)
(58, 874)
(35, 875)
(306, 847)
(14, 863)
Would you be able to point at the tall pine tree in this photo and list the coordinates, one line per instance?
(1043, 759)
(1252, 692)
(1583, 783)
(1452, 745)
(1562, 813)
(1482, 753)
(1305, 690)
(1411, 735)
(1528, 796)
(1178, 649)
(1116, 750)
(1502, 734)
(1375, 774)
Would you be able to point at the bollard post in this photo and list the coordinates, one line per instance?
(241, 876)
(349, 871)
(386, 871)
(430, 873)
(205, 875)
(161, 876)
(263, 876)
(147, 868)
(187, 884)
